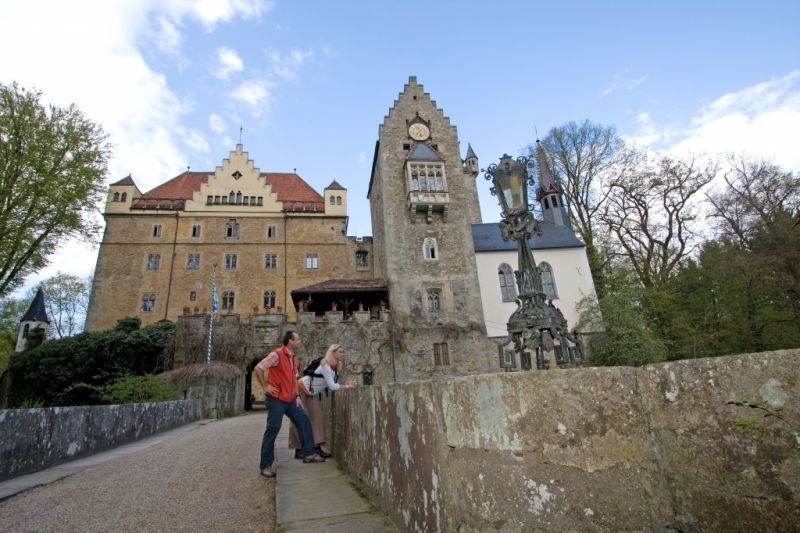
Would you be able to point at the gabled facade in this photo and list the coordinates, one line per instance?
(259, 234)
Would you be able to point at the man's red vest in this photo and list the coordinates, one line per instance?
(283, 376)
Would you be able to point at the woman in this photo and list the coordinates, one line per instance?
(309, 389)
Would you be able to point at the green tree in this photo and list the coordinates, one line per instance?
(53, 162)
(628, 339)
(11, 310)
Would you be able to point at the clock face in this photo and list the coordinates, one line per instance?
(419, 131)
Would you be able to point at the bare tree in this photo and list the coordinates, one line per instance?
(650, 211)
(584, 156)
(759, 208)
(66, 300)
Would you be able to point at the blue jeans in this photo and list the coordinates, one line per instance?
(275, 411)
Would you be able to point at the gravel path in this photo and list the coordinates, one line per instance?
(203, 480)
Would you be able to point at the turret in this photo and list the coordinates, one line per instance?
(335, 199)
(121, 195)
(471, 162)
(36, 317)
(549, 193)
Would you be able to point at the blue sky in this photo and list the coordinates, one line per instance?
(172, 81)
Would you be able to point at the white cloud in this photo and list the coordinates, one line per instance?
(255, 94)
(210, 12)
(762, 121)
(90, 54)
(228, 63)
(217, 124)
(626, 84)
(285, 65)
(195, 141)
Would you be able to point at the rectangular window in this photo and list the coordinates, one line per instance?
(441, 355)
(230, 261)
(232, 229)
(260, 200)
(153, 261)
(148, 302)
(272, 232)
(192, 261)
(196, 230)
(156, 230)
(193, 296)
(312, 261)
(210, 200)
(270, 261)
(361, 258)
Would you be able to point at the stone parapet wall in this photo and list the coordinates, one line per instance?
(655, 448)
(35, 439)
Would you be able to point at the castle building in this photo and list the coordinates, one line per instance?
(255, 235)
(439, 280)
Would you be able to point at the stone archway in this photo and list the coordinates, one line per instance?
(253, 396)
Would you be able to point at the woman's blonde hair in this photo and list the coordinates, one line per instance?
(329, 359)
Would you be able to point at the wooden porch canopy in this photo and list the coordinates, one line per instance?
(347, 294)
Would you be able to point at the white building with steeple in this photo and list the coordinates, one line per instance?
(559, 253)
(35, 317)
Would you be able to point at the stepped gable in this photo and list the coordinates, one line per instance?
(412, 81)
(292, 191)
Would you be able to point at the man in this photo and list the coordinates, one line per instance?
(277, 374)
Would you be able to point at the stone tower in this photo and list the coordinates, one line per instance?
(423, 200)
(35, 317)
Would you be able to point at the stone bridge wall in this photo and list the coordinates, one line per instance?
(595, 449)
(73, 432)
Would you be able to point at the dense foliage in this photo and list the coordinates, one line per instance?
(77, 370)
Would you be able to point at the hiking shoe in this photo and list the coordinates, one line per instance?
(322, 453)
(298, 454)
(313, 458)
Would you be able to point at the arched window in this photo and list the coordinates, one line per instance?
(433, 300)
(116, 197)
(232, 229)
(414, 182)
(338, 200)
(333, 200)
(25, 331)
(548, 280)
(429, 249)
(269, 299)
(124, 197)
(239, 197)
(228, 298)
(507, 288)
(231, 198)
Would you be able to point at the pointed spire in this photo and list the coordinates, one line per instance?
(36, 312)
(546, 178)
(470, 153)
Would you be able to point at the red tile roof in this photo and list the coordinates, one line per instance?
(292, 190)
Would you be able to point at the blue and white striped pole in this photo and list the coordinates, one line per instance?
(214, 305)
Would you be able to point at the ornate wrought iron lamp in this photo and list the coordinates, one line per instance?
(536, 323)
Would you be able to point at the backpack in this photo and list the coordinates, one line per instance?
(311, 368)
